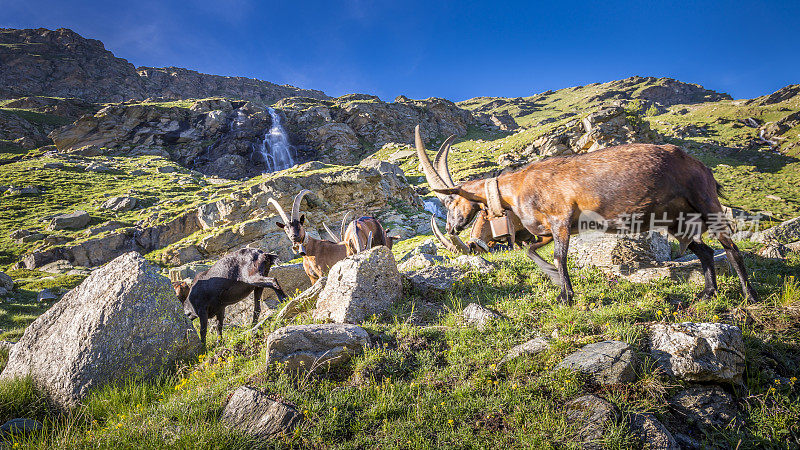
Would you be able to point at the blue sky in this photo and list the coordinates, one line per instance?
(456, 50)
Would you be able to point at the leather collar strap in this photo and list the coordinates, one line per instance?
(492, 192)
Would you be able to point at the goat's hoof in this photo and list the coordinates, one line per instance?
(564, 299)
(707, 294)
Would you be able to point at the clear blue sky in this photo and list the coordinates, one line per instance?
(456, 50)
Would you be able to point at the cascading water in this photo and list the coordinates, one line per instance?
(275, 147)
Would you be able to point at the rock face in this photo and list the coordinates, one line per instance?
(359, 287)
(123, 320)
(252, 412)
(606, 362)
(699, 351)
(606, 249)
(70, 221)
(592, 415)
(315, 347)
(61, 63)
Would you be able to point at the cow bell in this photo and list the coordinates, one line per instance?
(501, 226)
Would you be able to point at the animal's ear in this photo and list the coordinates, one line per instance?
(280, 225)
(302, 218)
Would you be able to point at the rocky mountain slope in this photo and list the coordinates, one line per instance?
(61, 63)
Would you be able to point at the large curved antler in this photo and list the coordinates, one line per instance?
(296, 205)
(434, 179)
(451, 242)
(440, 162)
(343, 227)
(277, 206)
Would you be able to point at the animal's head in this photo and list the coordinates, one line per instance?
(461, 209)
(293, 225)
(181, 290)
(259, 260)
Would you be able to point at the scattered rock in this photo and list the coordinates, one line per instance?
(699, 351)
(530, 348)
(606, 249)
(252, 412)
(120, 203)
(418, 261)
(124, 319)
(20, 427)
(73, 221)
(97, 167)
(167, 169)
(26, 236)
(475, 314)
(435, 279)
(606, 362)
(476, 262)
(652, 433)
(705, 406)
(592, 415)
(426, 248)
(314, 347)
(784, 232)
(46, 295)
(359, 287)
(6, 282)
(302, 302)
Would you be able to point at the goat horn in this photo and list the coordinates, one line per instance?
(440, 162)
(480, 244)
(277, 206)
(434, 179)
(451, 242)
(369, 241)
(343, 228)
(357, 238)
(333, 236)
(296, 205)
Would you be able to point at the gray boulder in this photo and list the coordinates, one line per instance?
(591, 414)
(435, 279)
(6, 282)
(606, 362)
(652, 433)
(20, 427)
(359, 287)
(699, 351)
(476, 262)
(46, 295)
(314, 347)
(784, 232)
(26, 236)
(123, 320)
(705, 407)
(532, 347)
(419, 261)
(475, 314)
(252, 412)
(302, 302)
(120, 203)
(428, 247)
(607, 250)
(72, 221)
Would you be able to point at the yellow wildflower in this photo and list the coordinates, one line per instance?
(450, 421)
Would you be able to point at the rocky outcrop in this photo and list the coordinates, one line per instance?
(61, 63)
(254, 413)
(315, 347)
(699, 351)
(606, 362)
(359, 287)
(123, 320)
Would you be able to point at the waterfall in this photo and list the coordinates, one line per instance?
(275, 147)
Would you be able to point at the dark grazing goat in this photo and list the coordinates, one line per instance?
(551, 196)
(228, 281)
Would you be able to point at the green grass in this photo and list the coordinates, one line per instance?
(437, 384)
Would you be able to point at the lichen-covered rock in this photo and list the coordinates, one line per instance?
(302, 302)
(123, 320)
(419, 261)
(20, 427)
(592, 415)
(6, 282)
(606, 249)
(252, 412)
(436, 279)
(606, 362)
(476, 262)
(784, 232)
(529, 348)
(652, 434)
(699, 351)
(475, 314)
(705, 407)
(315, 347)
(360, 286)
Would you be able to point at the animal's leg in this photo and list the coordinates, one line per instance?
(735, 258)
(548, 269)
(220, 320)
(706, 256)
(257, 304)
(264, 282)
(202, 314)
(560, 247)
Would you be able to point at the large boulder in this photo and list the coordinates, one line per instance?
(314, 347)
(699, 351)
(72, 221)
(6, 282)
(123, 320)
(606, 362)
(252, 412)
(359, 287)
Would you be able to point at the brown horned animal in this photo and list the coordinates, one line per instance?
(318, 255)
(362, 234)
(631, 181)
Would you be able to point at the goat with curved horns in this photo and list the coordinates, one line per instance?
(318, 255)
(632, 180)
(362, 234)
